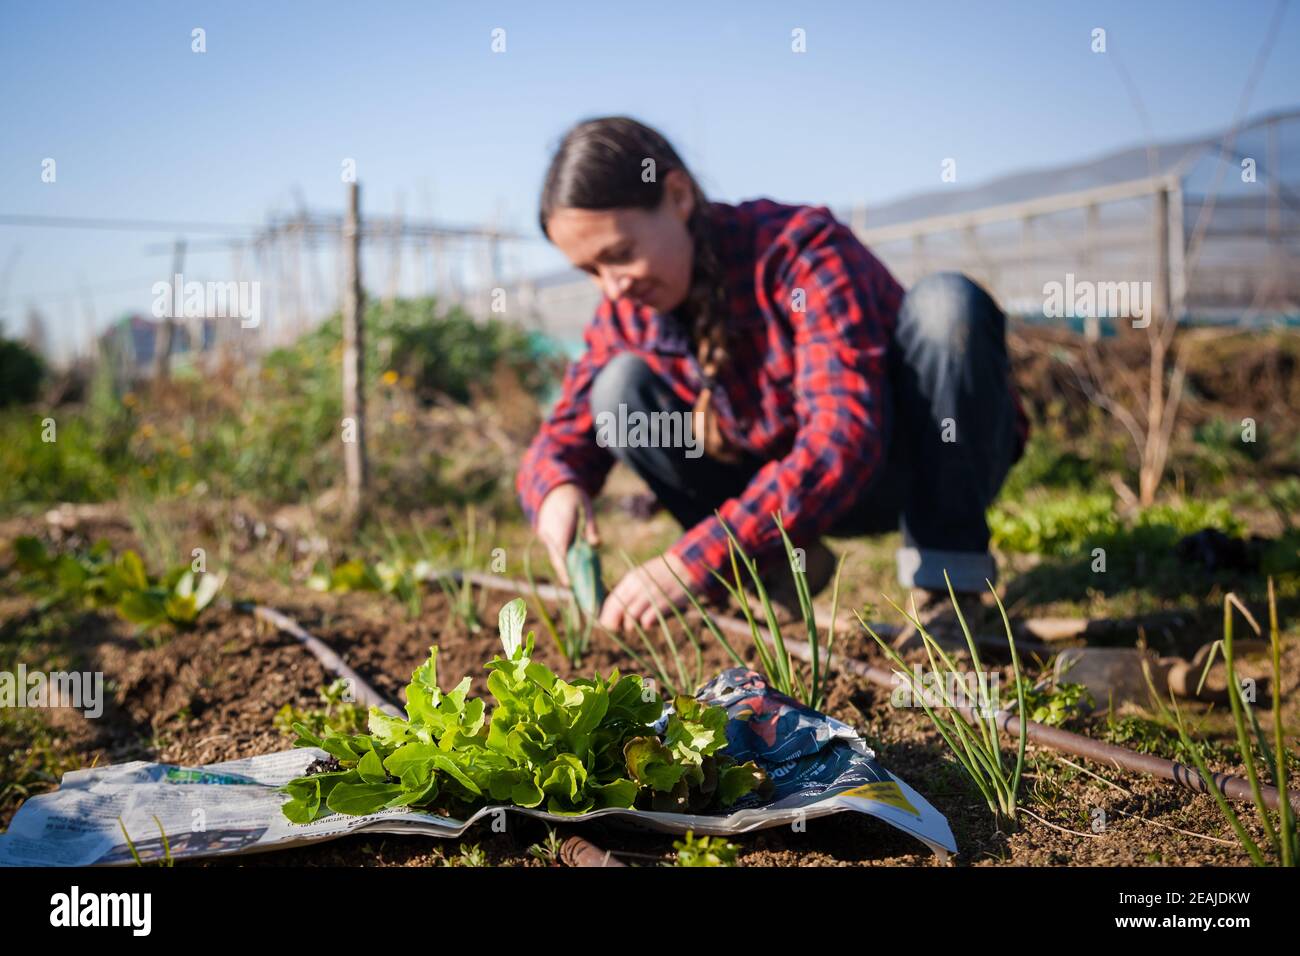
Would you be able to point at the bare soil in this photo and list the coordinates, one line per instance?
(211, 694)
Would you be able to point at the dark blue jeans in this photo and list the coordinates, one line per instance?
(949, 429)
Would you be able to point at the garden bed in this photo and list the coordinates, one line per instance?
(213, 693)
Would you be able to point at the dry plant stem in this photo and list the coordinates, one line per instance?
(1082, 769)
(1054, 826)
(1190, 833)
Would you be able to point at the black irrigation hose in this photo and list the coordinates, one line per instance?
(1053, 738)
(365, 695)
(575, 851)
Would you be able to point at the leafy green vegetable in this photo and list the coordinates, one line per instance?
(95, 579)
(705, 851)
(1056, 705)
(570, 746)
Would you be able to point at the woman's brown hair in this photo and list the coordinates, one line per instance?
(599, 165)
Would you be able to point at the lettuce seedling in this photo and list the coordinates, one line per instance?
(570, 747)
(95, 579)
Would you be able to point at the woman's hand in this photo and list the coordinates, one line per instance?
(636, 596)
(557, 523)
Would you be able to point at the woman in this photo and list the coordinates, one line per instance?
(812, 383)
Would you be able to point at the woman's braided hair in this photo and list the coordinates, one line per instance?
(599, 165)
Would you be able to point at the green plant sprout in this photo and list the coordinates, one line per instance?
(572, 634)
(776, 661)
(1057, 704)
(337, 716)
(548, 851)
(568, 746)
(1284, 838)
(468, 855)
(973, 740)
(704, 851)
(166, 861)
(95, 579)
(462, 601)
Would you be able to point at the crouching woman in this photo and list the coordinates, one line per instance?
(814, 385)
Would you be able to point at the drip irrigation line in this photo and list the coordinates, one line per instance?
(1053, 738)
(365, 695)
(576, 851)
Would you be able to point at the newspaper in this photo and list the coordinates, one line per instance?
(819, 766)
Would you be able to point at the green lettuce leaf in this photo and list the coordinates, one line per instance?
(651, 764)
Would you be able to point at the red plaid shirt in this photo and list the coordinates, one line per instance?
(802, 389)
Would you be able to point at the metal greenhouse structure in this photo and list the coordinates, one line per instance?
(1212, 224)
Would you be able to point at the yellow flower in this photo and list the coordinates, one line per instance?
(129, 400)
(147, 430)
(186, 450)
(389, 378)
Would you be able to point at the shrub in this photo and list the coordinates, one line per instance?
(21, 373)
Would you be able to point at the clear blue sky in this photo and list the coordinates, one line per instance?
(142, 127)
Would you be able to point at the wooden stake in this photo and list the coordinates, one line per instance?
(162, 347)
(354, 413)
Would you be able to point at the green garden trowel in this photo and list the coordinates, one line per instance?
(583, 565)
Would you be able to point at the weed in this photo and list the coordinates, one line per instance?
(166, 860)
(338, 715)
(469, 855)
(548, 851)
(704, 851)
(1058, 704)
(96, 579)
